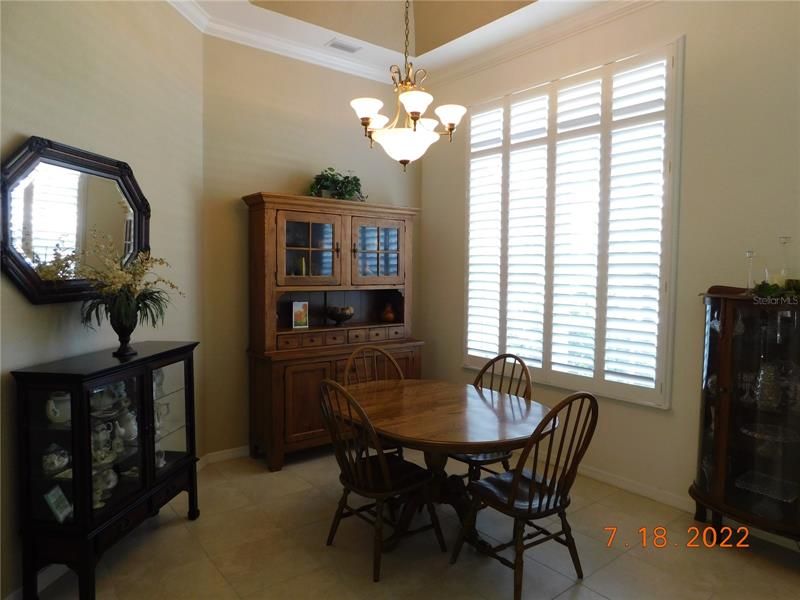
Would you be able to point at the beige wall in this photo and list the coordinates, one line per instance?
(739, 190)
(123, 80)
(271, 123)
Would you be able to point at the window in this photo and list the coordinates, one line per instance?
(570, 211)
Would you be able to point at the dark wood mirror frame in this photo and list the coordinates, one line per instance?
(18, 166)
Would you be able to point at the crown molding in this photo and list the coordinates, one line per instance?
(540, 24)
(548, 35)
(375, 66)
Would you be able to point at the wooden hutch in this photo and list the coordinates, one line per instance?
(327, 253)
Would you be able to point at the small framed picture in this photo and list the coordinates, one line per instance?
(299, 315)
(58, 504)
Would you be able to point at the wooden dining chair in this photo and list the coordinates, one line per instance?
(556, 448)
(504, 373)
(369, 472)
(371, 363)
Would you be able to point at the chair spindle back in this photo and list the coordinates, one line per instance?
(356, 445)
(556, 448)
(370, 363)
(506, 373)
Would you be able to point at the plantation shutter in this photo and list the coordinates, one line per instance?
(484, 258)
(635, 225)
(569, 229)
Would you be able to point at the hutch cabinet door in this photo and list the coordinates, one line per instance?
(47, 423)
(763, 437)
(115, 410)
(303, 416)
(309, 248)
(171, 406)
(378, 251)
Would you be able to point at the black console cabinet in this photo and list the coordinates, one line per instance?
(104, 444)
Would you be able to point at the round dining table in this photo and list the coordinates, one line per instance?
(442, 418)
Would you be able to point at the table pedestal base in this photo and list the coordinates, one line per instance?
(445, 490)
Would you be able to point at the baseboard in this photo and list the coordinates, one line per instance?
(47, 577)
(643, 489)
(230, 453)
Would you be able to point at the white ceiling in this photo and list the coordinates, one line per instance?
(529, 27)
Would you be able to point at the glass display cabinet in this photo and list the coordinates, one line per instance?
(377, 254)
(104, 444)
(748, 464)
(309, 248)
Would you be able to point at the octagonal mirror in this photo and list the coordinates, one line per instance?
(59, 201)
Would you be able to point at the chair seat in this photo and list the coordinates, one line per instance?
(482, 458)
(404, 475)
(495, 491)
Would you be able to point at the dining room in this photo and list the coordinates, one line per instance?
(369, 299)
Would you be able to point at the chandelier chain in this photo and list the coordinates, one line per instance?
(405, 53)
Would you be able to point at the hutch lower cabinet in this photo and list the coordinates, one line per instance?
(308, 255)
(748, 466)
(104, 444)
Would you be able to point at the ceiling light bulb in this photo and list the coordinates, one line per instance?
(366, 107)
(416, 102)
(450, 114)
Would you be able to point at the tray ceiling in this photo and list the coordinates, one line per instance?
(433, 22)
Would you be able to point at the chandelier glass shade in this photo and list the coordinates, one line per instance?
(408, 135)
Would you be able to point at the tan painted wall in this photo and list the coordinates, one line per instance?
(440, 21)
(271, 123)
(739, 190)
(123, 80)
(378, 22)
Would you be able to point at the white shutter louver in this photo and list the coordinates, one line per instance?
(486, 130)
(483, 315)
(575, 254)
(579, 106)
(640, 91)
(529, 120)
(527, 236)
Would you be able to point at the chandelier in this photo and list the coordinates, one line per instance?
(407, 137)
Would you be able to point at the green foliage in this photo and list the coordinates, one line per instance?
(772, 290)
(344, 187)
(148, 307)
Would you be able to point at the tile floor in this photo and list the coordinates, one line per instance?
(262, 535)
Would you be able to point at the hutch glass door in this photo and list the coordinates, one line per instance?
(764, 477)
(115, 410)
(309, 247)
(169, 416)
(377, 251)
(52, 451)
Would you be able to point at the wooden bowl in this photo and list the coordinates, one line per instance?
(340, 314)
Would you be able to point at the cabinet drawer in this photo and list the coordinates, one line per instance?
(357, 336)
(396, 332)
(121, 526)
(335, 337)
(312, 339)
(376, 334)
(287, 342)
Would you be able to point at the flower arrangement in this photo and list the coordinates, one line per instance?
(129, 293)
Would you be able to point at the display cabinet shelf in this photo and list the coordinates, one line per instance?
(95, 457)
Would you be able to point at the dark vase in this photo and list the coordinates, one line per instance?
(123, 317)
